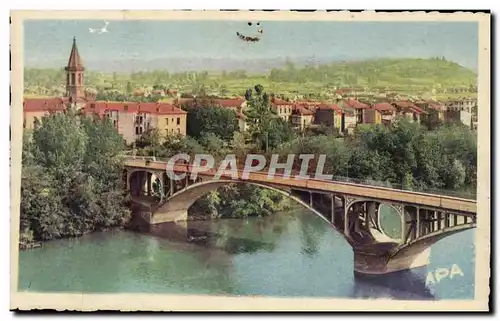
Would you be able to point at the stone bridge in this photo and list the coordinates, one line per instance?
(352, 209)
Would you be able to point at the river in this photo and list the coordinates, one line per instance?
(288, 254)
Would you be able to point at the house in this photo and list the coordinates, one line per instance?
(358, 107)
(236, 104)
(381, 113)
(301, 117)
(283, 108)
(35, 109)
(329, 115)
(453, 115)
(434, 112)
(132, 119)
(408, 109)
(465, 104)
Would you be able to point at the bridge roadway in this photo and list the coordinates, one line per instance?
(455, 204)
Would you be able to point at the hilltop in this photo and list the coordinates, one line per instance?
(412, 75)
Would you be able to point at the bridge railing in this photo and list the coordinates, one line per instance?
(343, 179)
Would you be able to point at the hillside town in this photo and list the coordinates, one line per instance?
(348, 108)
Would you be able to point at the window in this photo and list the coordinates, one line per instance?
(178, 130)
(115, 123)
(178, 121)
(92, 106)
(24, 122)
(166, 121)
(140, 119)
(73, 79)
(137, 130)
(172, 120)
(140, 130)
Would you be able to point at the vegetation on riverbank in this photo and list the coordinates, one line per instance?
(71, 181)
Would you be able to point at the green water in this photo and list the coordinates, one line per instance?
(289, 254)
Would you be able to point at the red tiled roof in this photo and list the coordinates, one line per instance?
(436, 106)
(383, 107)
(280, 102)
(330, 107)
(353, 103)
(133, 107)
(301, 110)
(418, 109)
(229, 102)
(404, 104)
(43, 104)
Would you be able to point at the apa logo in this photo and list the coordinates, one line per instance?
(441, 273)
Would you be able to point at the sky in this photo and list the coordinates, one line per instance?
(48, 42)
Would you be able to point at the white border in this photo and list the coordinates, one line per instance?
(150, 4)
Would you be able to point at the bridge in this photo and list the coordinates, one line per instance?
(353, 209)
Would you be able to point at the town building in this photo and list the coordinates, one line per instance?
(283, 108)
(408, 110)
(329, 115)
(131, 119)
(301, 117)
(358, 108)
(384, 113)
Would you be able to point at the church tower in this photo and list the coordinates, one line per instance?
(74, 75)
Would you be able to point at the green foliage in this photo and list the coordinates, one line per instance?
(240, 201)
(72, 178)
(406, 154)
(260, 116)
(203, 117)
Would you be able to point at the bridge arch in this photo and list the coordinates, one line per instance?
(176, 206)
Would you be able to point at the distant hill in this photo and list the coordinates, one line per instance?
(405, 74)
(379, 72)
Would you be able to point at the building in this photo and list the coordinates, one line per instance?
(408, 109)
(358, 108)
(328, 115)
(35, 109)
(383, 113)
(301, 117)
(282, 108)
(131, 119)
(461, 110)
(434, 113)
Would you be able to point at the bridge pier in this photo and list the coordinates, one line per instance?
(366, 263)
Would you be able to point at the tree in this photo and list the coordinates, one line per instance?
(260, 116)
(72, 179)
(204, 117)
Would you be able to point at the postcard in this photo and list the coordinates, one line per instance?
(250, 161)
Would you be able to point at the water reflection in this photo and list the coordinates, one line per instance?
(403, 285)
(288, 254)
(232, 236)
(312, 231)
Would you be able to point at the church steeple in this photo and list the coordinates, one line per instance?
(74, 74)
